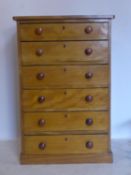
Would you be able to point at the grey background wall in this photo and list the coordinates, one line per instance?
(121, 57)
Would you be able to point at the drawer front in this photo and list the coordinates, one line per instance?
(33, 53)
(65, 121)
(63, 99)
(63, 31)
(65, 144)
(65, 76)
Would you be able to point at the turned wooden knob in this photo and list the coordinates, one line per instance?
(89, 144)
(88, 51)
(89, 98)
(89, 75)
(89, 121)
(41, 122)
(39, 52)
(41, 99)
(42, 145)
(88, 29)
(40, 76)
(39, 31)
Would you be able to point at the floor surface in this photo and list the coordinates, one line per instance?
(9, 163)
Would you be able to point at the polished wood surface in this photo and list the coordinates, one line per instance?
(66, 121)
(65, 76)
(66, 144)
(65, 99)
(66, 158)
(63, 31)
(37, 53)
(64, 65)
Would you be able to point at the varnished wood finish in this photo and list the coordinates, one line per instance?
(66, 158)
(65, 76)
(65, 144)
(65, 88)
(64, 52)
(63, 31)
(58, 99)
(65, 121)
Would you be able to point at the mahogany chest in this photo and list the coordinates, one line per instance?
(64, 67)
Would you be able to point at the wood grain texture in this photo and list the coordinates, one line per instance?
(66, 158)
(110, 45)
(65, 99)
(65, 144)
(65, 121)
(20, 88)
(63, 31)
(62, 55)
(64, 52)
(65, 76)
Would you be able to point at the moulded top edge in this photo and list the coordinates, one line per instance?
(75, 17)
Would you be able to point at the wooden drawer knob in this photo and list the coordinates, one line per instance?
(41, 99)
(88, 29)
(39, 31)
(39, 52)
(89, 121)
(88, 51)
(89, 144)
(89, 98)
(41, 122)
(40, 76)
(89, 75)
(42, 146)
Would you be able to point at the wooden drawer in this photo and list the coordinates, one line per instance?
(94, 122)
(37, 53)
(65, 144)
(63, 31)
(65, 76)
(65, 99)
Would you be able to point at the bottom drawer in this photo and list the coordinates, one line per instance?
(66, 144)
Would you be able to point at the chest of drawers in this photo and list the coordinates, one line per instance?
(64, 65)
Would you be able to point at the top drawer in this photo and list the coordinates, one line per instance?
(63, 31)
